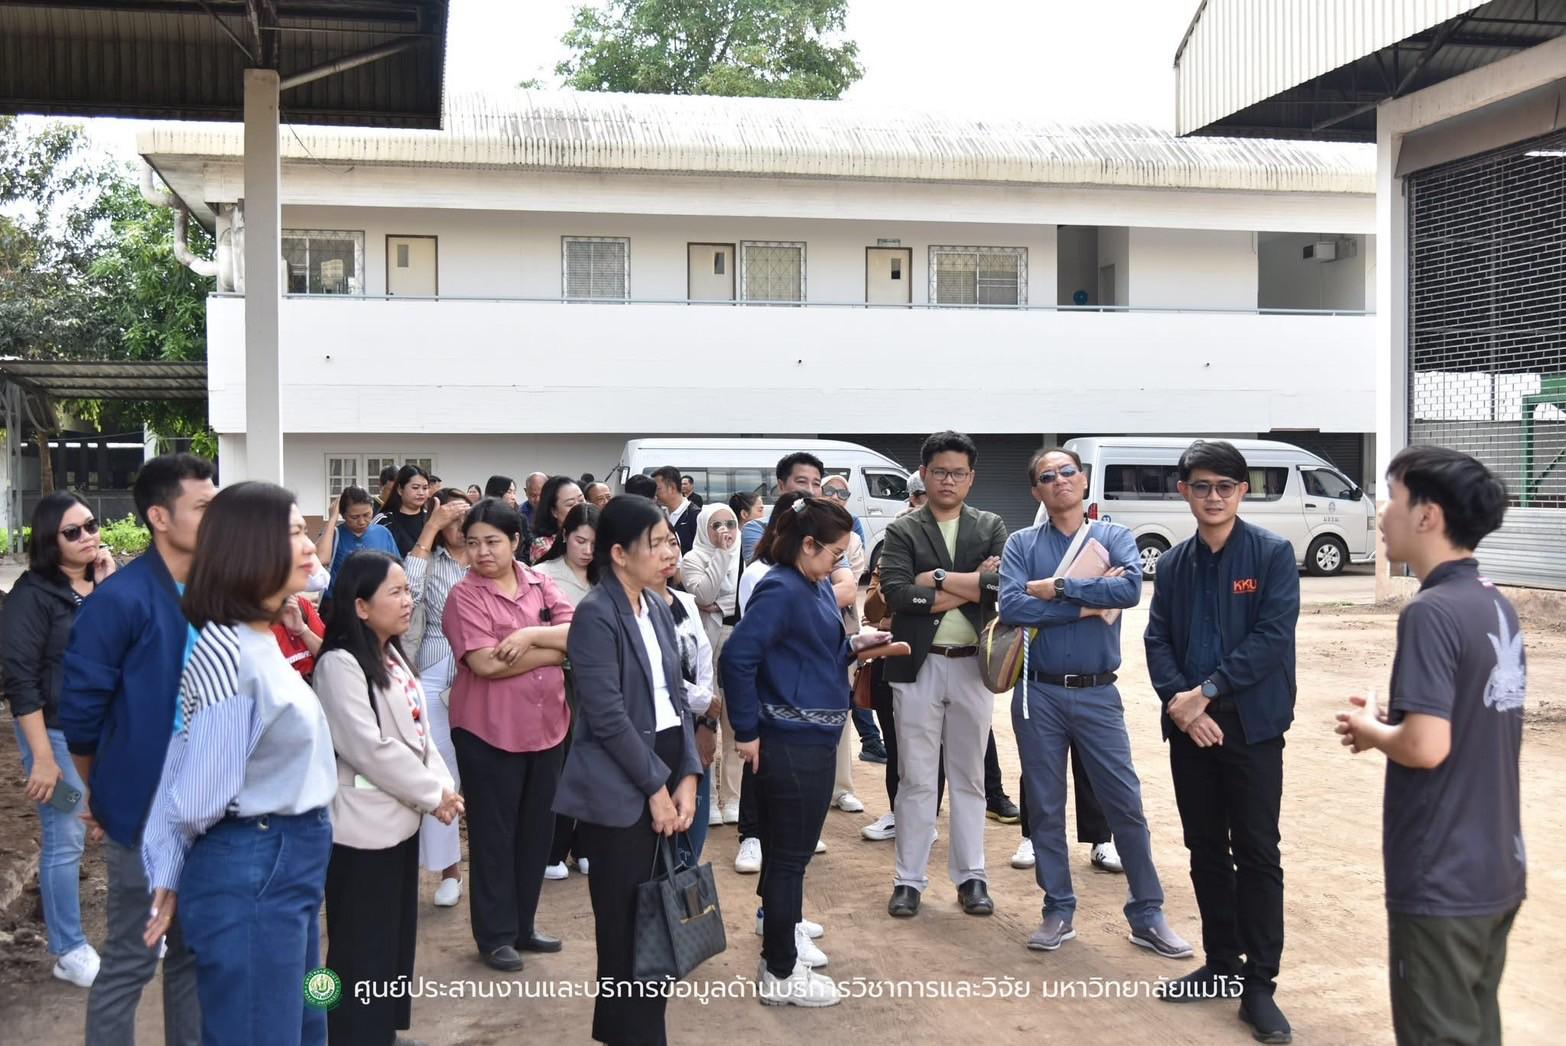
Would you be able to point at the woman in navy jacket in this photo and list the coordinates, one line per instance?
(784, 672)
(631, 775)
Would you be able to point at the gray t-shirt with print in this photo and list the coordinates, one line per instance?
(1452, 836)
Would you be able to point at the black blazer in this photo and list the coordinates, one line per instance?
(612, 769)
(913, 544)
(34, 631)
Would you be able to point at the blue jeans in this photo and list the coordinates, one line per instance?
(1094, 722)
(60, 855)
(250, 900)
(689, 845)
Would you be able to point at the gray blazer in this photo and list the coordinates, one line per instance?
(612, 769)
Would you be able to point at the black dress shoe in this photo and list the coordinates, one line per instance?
(904, 902)
(1002, 809)
(1268, 1024)
(504, 959)
(975, 898)
(539, 942)
(1202, 984)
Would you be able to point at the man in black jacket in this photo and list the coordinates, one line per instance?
(937, 564)
(1220, 650)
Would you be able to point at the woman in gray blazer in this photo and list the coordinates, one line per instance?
(631, 775)
(389, 774)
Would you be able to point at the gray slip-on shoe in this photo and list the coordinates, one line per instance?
(1054, 931)
(1157, 936)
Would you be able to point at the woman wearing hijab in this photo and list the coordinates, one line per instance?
(710, 572)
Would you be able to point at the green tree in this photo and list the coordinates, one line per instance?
(764, 48)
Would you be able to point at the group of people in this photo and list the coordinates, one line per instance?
(567, 675)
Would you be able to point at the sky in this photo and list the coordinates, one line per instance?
(1082, 61)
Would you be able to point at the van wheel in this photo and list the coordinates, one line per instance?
(1326, 557)
(1151, 548)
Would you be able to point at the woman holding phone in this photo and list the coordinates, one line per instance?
(64, 565)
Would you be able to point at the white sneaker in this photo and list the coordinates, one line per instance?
(881, 829)
(79, 966)
(448, 893)
(849, 803)
(807, 951)
(803, 987)
(556, 871)
(1024, 858)
(581, 865)
(1106, 858)
(804, 926)
(731, 814)
(714, 816)
(820, 846)
(748, 860)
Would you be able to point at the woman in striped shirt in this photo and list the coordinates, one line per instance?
(437, 561)
(246, 784)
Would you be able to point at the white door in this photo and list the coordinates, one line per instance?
(1333, 503)
(410, 266)
(888, 275)
(711, 272)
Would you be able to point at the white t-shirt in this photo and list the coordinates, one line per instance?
(665, 717)
(753, 573)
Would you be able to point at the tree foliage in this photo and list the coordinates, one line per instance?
(765, 48)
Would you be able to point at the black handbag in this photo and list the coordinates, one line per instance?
(678, 923)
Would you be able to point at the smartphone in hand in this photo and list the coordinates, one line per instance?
(65, 797)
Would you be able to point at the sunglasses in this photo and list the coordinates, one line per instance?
(723, 524)
(74, 532)
(1224, 488)
(836, 492)
(1049, 476)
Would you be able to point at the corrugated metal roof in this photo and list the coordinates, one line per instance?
(108, 379)
(775, 137)
(1292, 67)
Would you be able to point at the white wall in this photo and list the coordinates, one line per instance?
(512, 254)
(1076, 263)
(1193, 267)
(1114, 248)
(1288, 281)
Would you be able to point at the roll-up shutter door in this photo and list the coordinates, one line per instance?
(1002, 483)
(1346, 450)
(1487, 338)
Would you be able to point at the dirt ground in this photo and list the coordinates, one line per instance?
(1333, 985)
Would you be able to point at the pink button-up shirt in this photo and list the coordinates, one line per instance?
(525, 713)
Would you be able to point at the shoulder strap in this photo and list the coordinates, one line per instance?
(1077, 541)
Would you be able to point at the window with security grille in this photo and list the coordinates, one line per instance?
(979, 275)
(772, 271)
(596, 267)
(323, 261)
(1487, 337)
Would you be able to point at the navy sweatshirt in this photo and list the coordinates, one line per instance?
(785, 665)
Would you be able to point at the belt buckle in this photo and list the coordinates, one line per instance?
(1072, 682)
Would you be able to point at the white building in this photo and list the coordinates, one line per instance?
(555, 273)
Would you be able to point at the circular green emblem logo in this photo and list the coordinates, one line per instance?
(323, 989)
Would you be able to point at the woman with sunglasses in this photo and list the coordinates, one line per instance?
(65, 563)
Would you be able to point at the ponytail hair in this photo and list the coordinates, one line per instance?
(763, 549)
(822, 520)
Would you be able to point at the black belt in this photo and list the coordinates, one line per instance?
(1074, 682)
(731, 619)
(971, 650)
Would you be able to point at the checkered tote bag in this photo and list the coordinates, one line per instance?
(678, 923)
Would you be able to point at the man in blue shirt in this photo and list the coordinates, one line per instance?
(1067, 698)
(117, 699)
(1220, 651)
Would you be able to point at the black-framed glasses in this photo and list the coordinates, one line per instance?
(1224, 488)
(917, 494)
(835, 492)
(1049, 476)
(955, 475)
(74, 531)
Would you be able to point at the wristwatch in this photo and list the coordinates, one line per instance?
(1210, 690)
(1060, 587)
(939, 576)
(708, 722)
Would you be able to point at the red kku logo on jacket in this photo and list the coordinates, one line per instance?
(1245, 586)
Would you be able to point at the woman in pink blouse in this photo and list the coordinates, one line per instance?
(507, 628)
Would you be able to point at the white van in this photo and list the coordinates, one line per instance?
(878, 486)
(1295, 494)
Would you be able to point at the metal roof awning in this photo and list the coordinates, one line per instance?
(107, 379)
(1307, 69)
(371, 63)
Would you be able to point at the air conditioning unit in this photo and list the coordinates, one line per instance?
(1330, 250)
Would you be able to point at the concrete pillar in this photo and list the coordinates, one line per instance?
(1391, 297)
(263, 283)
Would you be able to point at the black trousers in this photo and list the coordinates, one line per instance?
(793, 792)
(1228, 796)
(1446, 977)
(563, 844)
(372, 910)
(1092, 825)
(510, 829)
(622, 859)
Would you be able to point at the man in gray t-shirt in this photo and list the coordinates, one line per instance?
(1452, 826)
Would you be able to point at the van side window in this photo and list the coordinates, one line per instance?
(1324, 483)
(1141, 483)
(745, 481)
(886, 484)
(1267, 484)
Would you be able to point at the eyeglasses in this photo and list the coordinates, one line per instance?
(1049, 476)
(1224, 488)
(723, 524)
(74, 532)
(835, 492)
(914, 495)
(955, 475)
